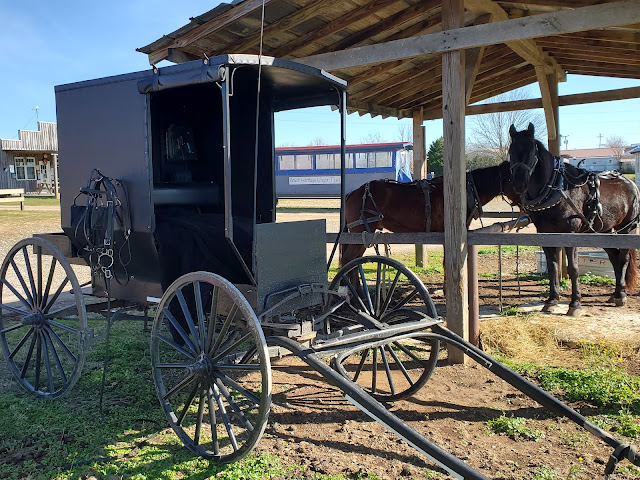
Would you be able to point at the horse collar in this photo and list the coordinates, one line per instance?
(551, 194)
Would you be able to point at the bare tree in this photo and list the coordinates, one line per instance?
(617, 145)
(405, 132)
(317, 142)
(489, 132)
(373, 137)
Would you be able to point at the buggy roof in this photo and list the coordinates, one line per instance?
(289, 84)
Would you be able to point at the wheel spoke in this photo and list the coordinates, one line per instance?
(63, 326)
(354, 293)
(47, 288)
(25, 289)
(12, 309)
(181, 332)
(388, 370)
(407, 299)
(177, 347)
(183, 383)
(401, 366)
(11, 328)
(23, 300)
(365, 354)
(365, 289)
(38, 360)
(238, 366)
(39, 275)
(23, 372)
(32, 282)
(196, 436)
(236, 386)
(225, 418)
(410, 353)
(390, 293)
(374, 370)
(188, 403)
(378, 289)
(213, 316)
(200, 314)
(231, 347)
(189, 319)
(47, 362)
(236, 408)
(172, 365)
(213, 424)
(59, 341)
(223, 331)
(21, 343)
(55, 296)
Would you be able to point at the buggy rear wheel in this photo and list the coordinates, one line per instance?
(210, 366)
(383, 292)
(43, 319)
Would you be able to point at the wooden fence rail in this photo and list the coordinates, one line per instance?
(10, 195)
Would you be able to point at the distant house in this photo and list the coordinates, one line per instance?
(598, 159)
(636, 151)
(31, 161)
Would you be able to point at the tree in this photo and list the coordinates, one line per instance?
(373, 137)
(617, 145)
(435, 157)
(489, 132)
(405, 132)
(317, 142)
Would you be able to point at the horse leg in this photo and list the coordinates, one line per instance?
(619, 259)
(351, 251)
(572, 268)
(552, 255)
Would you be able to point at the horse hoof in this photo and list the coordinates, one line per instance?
(611, 299)
(620, 302)
(575, 312)
(550, 308)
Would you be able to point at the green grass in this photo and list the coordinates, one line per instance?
(507, 249)
(591, 279)
(42, 202)
(514, 427)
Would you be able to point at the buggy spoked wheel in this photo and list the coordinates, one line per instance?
(211, 367)
(43, 319)
(383, 292)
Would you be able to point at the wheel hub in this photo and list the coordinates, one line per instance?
(202, 367)
(36, 319)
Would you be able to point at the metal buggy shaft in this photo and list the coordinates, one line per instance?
(453, 465)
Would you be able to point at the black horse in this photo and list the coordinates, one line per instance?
(561, 198)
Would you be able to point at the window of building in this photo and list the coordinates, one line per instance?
(25, 168)
(326, 161)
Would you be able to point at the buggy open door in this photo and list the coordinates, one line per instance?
(223, 109)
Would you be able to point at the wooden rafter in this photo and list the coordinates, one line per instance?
(564, 21)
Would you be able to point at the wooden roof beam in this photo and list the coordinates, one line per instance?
(553, 23)
(527, 49)
(368, 8)
(204, 29)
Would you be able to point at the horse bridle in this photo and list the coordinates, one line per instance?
(528, 167)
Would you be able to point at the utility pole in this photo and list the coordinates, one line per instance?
(37, 109)
(565, 140)
(600, 141)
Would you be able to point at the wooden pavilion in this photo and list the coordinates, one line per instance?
(428, 59)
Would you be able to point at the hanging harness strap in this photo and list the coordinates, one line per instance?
(426, 187)
(474, 207)
(364, 220)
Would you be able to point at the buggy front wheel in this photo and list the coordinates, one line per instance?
(210, 366)
(381, 292)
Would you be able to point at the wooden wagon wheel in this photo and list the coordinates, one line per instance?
(211, 367)
(43, 319)
(384, 291)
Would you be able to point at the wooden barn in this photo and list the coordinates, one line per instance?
(30, 162)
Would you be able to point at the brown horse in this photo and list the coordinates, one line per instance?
(402, 207)
(561, 198)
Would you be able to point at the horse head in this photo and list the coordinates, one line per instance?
(523, 157)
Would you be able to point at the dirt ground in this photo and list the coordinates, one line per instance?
(312, 424)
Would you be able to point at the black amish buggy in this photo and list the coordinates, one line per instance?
(167, 194)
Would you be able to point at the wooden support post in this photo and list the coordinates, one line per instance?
(56, 189)
(418, 167)
(474, 300)
(455, 201)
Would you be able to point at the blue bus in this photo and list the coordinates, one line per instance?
(315, 171)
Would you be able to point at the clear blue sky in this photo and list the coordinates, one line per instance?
(49, 43)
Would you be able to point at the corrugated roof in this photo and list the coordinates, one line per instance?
(300, 28)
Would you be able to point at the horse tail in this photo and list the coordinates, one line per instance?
(631, 277)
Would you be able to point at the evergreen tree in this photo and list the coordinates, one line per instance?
(435, 157)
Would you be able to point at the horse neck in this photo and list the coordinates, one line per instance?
(542, 173)
(488, 182)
